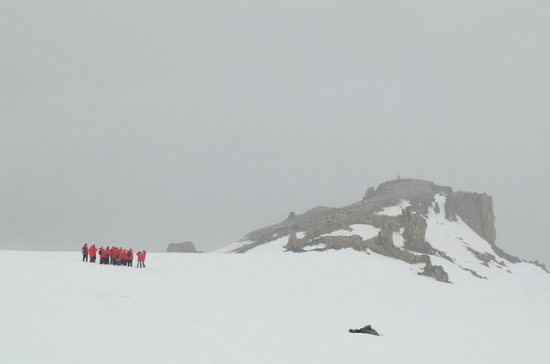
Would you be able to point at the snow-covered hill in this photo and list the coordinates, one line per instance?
(410, 220)
(270, 308)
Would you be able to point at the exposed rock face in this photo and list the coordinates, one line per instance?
(370, 193)
(474, 209)
(435, 271)
(186, 247)
(294, 243)
(415, 235)
(340, 242)
(395, 207)
(385, 236)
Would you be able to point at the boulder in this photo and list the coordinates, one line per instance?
(365, 330)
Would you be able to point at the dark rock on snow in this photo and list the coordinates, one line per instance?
(186, 247)
(365, 330)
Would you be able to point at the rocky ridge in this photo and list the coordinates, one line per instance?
(396, 209)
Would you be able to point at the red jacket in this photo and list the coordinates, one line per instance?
(143, 256)
(140, 257)
(85, 249)
(93, 250)
(130, 254)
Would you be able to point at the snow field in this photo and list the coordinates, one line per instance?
(394, 210)
(268, 308)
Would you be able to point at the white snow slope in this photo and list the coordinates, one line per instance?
(266, 308)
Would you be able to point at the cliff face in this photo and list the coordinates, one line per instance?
(401, 209)
(474, 209)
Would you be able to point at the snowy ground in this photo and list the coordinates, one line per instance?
(266, 308)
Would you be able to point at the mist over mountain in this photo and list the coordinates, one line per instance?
(411, 220)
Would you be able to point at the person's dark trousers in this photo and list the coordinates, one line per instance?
(92, 259)
(84, 257)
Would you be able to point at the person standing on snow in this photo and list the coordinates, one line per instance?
(107, 254)
(143, 258)
(125, 257)
(130, 257)
(113, 252)
(85, 252)
(117, 256)
(101, 253)
(93, 251)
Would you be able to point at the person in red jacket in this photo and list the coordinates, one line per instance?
(101, 253)
(117, 256)
(124, 256)
(85, 252)
(93, 251)
(113, 251)
(143, 258)
(130, 257)
(139, 259)
(107, 254)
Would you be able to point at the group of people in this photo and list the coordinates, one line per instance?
(114, 256)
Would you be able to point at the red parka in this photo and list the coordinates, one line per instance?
(93, 250)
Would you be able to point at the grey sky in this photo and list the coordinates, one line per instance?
(143, 123)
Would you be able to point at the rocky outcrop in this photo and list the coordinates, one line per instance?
(185, 247)
(339, 242)
(435, 271)
(476, 210)
(395, 207)
(385, 236)
(364, 330)
(415, 235)
(293, 243)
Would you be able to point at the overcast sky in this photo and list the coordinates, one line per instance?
(144, 123)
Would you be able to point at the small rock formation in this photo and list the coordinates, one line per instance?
(435, 271)
(385, 236)
(186, 247)
(364, 330)
(293, 243)
(370, 193)
(415, 235)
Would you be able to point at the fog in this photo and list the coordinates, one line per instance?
(147, 123)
